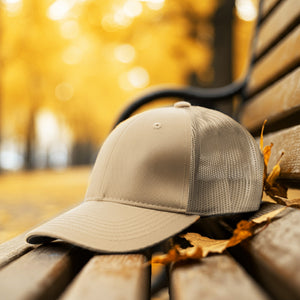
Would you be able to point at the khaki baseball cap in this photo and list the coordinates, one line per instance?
(157, 173)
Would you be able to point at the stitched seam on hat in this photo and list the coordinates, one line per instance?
(114, 147)
(125, 201)
(186, 165)
(254, 166)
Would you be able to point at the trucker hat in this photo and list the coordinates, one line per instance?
(156, 174)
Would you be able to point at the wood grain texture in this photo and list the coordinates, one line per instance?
(280, 98)
(40, 274)
(285, 14)
(274, 257)
(13, 249)
(287, 141)
(268, 5)
(215, 277)
(281, 58)
(112, 277)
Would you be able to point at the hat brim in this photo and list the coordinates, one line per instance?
(111, 227)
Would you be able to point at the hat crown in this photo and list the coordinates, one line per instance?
(146, 162)
(180, 159)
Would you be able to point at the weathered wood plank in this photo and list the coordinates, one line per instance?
(112, 277)
(286, 13)
(281, 58)
(268, 5)
(40, 274)
(287, 141)
(13, 249)
(215, 277)
(273, 256)
(278, 99)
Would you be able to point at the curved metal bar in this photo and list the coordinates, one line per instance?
(197, 95)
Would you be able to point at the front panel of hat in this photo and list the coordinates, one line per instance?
(146, 162)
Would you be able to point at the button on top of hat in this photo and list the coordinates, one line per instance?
(182, 104)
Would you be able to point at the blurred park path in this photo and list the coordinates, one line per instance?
(29, 198)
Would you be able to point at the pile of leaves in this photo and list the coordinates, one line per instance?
(201, 246)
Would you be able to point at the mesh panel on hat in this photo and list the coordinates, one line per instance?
(227, 167)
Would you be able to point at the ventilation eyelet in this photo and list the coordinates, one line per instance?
(157, 125)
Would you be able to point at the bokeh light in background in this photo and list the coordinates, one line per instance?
(246, 10)
(68, 67)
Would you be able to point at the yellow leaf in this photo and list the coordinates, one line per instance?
(276, 192)
(275, 172)
(266, 151)
(190, 253)
(177, 254)
(167, 258)
(293, 203)
(262, 136)
(268, 216)
(206, 244)
(243, 230)
(267, 154)
(273, 188)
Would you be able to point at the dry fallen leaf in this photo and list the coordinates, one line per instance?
(202, 246)
(266, 151)
(262, 136)
(295, 203)
(177, 254)
(275, 172)
(271, 187)
(268, 216)
(206, 244)
(243, 230)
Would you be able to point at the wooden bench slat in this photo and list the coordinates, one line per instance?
(13, 249)
(273, 256)
(268, 5)
(280, 59)
(39, 274)
(279, 99)
(215, 277)
(112, 277)
(287, 141)
(285, 14)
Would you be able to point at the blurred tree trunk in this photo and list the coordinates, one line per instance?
(223, 22)
(35, 95)
(83, 153)
(35, 78)
(30, 141)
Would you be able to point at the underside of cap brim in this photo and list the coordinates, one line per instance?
(111, 227)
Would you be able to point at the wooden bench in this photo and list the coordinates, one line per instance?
(266, 266)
